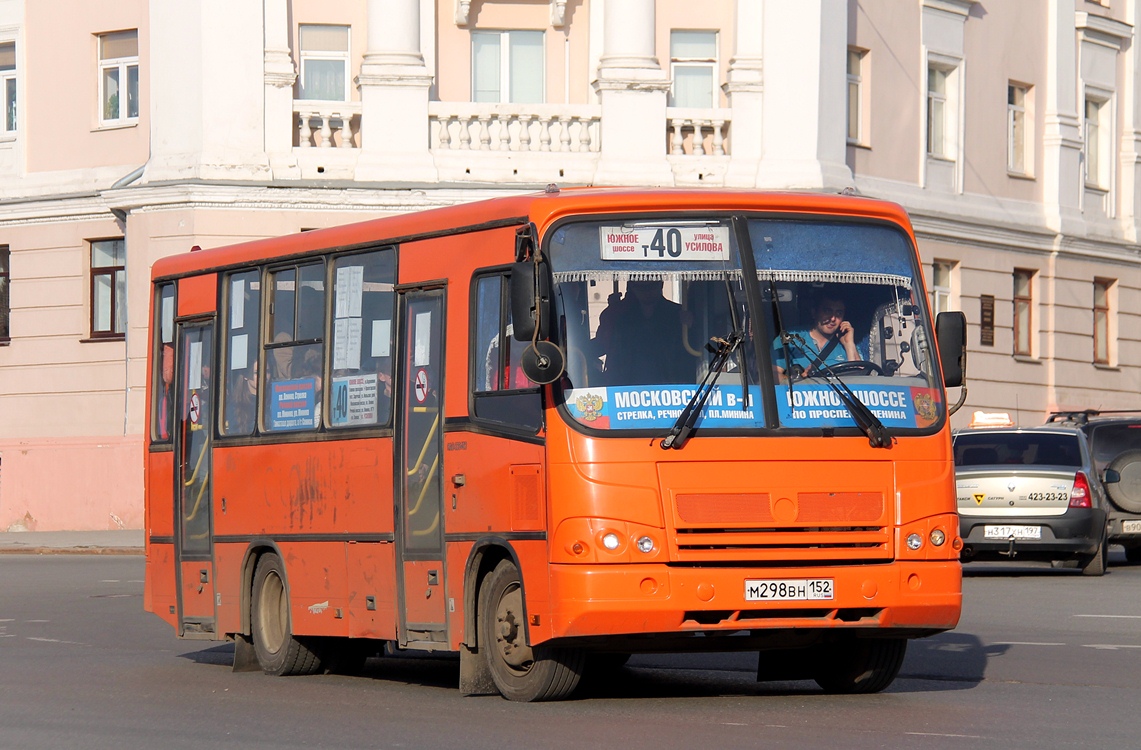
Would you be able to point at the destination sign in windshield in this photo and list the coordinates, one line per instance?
(686, 243)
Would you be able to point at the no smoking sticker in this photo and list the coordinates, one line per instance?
(420, 386)
(195, 408)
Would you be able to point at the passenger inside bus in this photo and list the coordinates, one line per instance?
(242, 401)
(641, 336)
(829, 339)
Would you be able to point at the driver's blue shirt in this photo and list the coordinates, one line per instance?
(804, 355)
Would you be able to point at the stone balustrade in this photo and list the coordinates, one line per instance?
(465, 126)
(323, 124)
(698, 132)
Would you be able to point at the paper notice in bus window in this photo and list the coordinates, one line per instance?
(195, 374)
(168, 320)
(353, 400)
(381, 338)
(686, 243)
(350, 288)
(239, 352)
(347, 344)
(422, 337)
(237, 304)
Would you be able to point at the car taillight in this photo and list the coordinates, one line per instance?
(1079, 495)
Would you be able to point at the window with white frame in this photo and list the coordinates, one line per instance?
(8, 86)
(119, 77)
(940, 113)
(108, 288)
(693, 68)
(857, 59)
(508, 67)
(324, 63)
(1017, 124)
(1096, 148)
(941, 286)
(1102, 291)
(1023, 311)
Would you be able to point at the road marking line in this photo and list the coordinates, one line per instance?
(1023, 643)
(1110, 646)
(1114, 617)
(941, 734)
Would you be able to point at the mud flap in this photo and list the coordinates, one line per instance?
(475, 675)
(245, 658)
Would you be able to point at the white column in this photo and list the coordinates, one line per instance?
(207, 91)
(804, 136)
(1131, 135)
(744, 89)
(394, 85)
(632, 89)
(280, 76)
(1062, 181)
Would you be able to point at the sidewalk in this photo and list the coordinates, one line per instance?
(72, 542)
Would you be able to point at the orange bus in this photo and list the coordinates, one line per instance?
(550, 431)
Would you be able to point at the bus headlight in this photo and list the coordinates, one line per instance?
(645, 544)
(610, 541)
(938, 537)
(914, 542)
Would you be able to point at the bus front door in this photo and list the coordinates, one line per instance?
(419, 489)
(194, 527)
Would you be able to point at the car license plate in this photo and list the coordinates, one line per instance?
(1131, 527)
(1018, 532)
(788, 590)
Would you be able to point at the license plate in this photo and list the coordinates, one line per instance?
(1131, 527)
(1018, 532)
(788, 590)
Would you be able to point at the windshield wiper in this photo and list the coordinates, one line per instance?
(722, 349)
(877, 433)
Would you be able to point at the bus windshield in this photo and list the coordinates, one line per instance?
(826, 310)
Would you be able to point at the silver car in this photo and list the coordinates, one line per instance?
(1030, 494)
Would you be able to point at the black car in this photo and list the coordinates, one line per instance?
(1115, 442)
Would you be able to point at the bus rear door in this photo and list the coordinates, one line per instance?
(419, 492)
(193, 442)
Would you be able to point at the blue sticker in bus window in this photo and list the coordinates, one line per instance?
(657, 407)
(292, 404)
(817, 405)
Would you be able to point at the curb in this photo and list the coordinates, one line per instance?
(71, 551)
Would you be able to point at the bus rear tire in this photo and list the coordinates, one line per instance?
(520, 672)
(861, 665)
(278, 652)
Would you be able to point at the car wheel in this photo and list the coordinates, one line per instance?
(278, 652)
(1095, 566)
(861, 665)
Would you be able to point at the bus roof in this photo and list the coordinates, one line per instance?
(541, 208)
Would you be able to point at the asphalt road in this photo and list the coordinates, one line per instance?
(1043, 658)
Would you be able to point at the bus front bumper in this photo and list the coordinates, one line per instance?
(605, 600)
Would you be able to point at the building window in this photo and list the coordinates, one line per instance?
(119, 77)
(108, 288)
(5, 295)
(324, 63)
(941, 286)
(857, 62)
(938, 113)
(1095, 150)
(1017, 102)
(1023, 311)
(693, 67)
(508, 67)
(1101, 320)
(8, 85)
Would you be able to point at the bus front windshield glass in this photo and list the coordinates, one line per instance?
(834, 314)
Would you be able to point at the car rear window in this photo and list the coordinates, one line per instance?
(1108, 441)
(988, 449)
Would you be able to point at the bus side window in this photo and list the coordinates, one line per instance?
(243, 344)
(295, 357)
(162, 415)
(360, 388)
(501, 393)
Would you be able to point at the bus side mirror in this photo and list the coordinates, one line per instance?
(951, 335)
(530, 300)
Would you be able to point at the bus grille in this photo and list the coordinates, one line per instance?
(755, 527)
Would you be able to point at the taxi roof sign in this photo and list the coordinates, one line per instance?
(991, 419)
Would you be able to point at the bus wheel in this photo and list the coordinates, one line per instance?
(521, 672)
(863, 665)
(278, 652)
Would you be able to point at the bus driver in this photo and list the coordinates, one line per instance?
(830, 340)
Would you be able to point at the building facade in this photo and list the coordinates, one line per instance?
(1010, 130)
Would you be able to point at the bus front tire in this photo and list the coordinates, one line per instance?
(278, 652)
(520, 672)
(861, 665)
